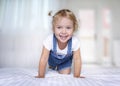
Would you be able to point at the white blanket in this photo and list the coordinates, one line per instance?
(95, 76)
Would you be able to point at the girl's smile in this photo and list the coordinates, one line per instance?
(63, 37)
(63, 29)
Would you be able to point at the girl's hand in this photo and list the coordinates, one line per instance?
(39, 76)
(80, 77)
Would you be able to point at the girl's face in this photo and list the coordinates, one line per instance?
(63, 29)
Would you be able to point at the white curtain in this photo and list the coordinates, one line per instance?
(23, 26)
(23, 15)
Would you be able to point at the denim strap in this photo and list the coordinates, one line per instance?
(55, 45)
(69, 46)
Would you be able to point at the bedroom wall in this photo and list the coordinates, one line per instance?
(98, 6)
(24, 25)
(116, 33)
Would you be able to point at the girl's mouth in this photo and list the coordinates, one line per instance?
(63, 37)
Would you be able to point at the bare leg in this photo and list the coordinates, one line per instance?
(65, 71)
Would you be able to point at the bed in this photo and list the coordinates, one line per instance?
(95, 76)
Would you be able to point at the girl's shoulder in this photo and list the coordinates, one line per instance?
(75, 39)
(75, 43)
(49, 37)
(48, 42)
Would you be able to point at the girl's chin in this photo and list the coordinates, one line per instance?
(63, 41)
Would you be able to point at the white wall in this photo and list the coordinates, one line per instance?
(21, 36)
(116, 33)
(98, 5)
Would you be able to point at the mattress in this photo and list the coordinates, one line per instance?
(94, 76)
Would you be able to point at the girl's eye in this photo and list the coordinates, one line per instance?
(68, 27)
(58, 27)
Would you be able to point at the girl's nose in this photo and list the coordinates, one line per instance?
(63, 30)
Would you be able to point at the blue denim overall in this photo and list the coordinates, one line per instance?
(59, 62)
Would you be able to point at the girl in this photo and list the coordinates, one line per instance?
(61, 47)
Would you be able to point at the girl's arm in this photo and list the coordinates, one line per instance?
(43, 62)
(77, 63)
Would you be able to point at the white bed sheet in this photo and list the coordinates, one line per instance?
(95, 76)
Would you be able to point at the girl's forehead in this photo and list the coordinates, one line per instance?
(63, 19)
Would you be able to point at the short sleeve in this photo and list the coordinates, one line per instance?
(47, 43)
(75, 43)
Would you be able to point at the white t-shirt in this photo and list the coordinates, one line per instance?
(48, 44)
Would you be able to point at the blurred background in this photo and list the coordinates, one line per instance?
(25, 23)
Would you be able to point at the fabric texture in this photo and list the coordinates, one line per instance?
(94, 76)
